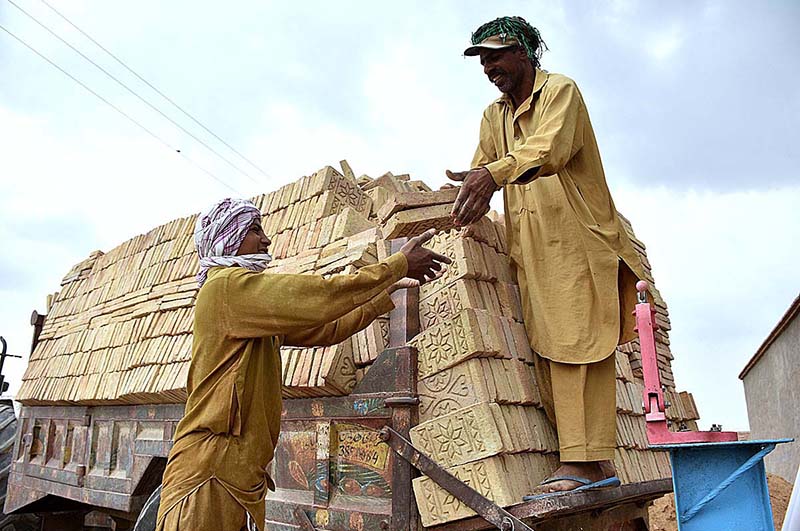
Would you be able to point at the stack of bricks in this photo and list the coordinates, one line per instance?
(481, 415)
(119, 332)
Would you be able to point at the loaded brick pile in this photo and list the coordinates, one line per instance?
(119, 332)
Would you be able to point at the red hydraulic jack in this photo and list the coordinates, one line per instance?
(653, 396)
(719, 481)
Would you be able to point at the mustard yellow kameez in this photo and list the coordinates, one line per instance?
(575, 264)
(217, 469)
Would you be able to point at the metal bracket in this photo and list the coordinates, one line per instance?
(401, 401)
(486, 509)
(692, 511)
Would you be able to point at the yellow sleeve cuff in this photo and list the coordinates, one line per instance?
(398, 265)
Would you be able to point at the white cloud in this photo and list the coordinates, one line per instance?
(665, 44)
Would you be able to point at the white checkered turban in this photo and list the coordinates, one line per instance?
(219, 233)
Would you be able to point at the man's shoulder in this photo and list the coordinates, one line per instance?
(556, 81)
(224, 282)
(219, 277)
(553, 82)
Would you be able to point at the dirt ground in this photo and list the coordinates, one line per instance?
(662, 512)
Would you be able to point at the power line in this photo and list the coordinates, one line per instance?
(123, 113)
(134, 93)
(143, 80)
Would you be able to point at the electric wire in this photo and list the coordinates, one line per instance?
(134, 93)
(123, 113)
(143, 80)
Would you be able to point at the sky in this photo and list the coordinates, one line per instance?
(695, 106)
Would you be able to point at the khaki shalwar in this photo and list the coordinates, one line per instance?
(216, 476)
(575, 265)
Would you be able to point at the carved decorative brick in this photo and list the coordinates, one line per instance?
(444, 304)
(451, 389)
(503, 479)
(482, 430)
(464, 435)
(446, 344)
(408, 200)
(409, 223)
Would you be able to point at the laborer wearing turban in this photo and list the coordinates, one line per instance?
(574, 262)
(216, 475)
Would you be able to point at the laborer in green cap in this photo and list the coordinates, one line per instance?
(574, 262)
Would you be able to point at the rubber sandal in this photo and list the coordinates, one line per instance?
(586, 484)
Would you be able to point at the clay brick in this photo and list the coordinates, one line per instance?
(493, 332)
(460, 386)
(483, 231)
(512, 420)
(639, 427)
(355, 345)
(409, 223)
(326, 231)
(635, 392)
(490, 299)
(407, 200)
(379, 196)
(506, 392)
(318, 371)
(489, 477)
(350, 222)
(530, 391)
(419, 186)
(522, 342)
(487, 376)
(388, 182)
(506, 428)
(543, 428)
(465, 264)
(623, 366)
(295, 190)
(504, 479)
(508, 295)
(462, 436)
(344, 191)
(689, 405)
(493, 262)
(623, 399)
(443, 304)
(316, 368)
(442, 346)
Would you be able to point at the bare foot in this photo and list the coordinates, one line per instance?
(593, 471)
(608, 468)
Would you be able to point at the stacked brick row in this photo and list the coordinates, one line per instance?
(119, 330)
(480, 411)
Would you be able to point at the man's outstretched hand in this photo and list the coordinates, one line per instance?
(424, 265)
(472, 202)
